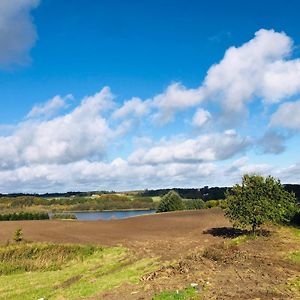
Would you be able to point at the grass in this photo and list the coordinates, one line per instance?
(24, 257)
(156, 198)
(186, 294)
(99, 270)
(294, 256)
(296, 231)
(294, 284)
(242, 239)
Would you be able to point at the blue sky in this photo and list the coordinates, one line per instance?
(147, 94)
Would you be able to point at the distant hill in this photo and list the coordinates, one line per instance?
(205, 193)
(209, 193)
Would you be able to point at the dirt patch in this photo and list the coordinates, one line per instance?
(193, 246)
(169, 235)
(254, 269)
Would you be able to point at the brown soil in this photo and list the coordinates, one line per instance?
(257, 269)
(194, 247)
(168, 235)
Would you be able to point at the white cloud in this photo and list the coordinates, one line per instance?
(77, 150)
(50, 108)
(122, 175)
(205, 148)
(175, 97)
(132, 107)
(17, 32)
(201, 117)
(287, 116)
(258, 68)
(81, 134)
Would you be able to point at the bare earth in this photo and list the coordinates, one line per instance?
(153, 234)
(193, 247)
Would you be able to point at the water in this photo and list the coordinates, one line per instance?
(108, 215)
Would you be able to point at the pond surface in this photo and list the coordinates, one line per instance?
(108, 215)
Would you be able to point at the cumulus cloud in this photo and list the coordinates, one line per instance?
(205, 148)
(258, 68)
(95, 175)
(201, 117)
(82, 133)
(79, 148)
(175, 97)
(261, 68)
(287, 116)
(122, 175)
(133, 107)
(17, 31)
(50, 108)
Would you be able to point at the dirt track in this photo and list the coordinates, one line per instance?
(152, 232)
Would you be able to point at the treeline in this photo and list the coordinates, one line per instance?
(100, 202)
(24, 216)
(295, 188)
(205, 193)
(208, 193)
(114, 202)
(57, 195)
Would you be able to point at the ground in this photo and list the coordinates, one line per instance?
(168, 235)
(165, 252)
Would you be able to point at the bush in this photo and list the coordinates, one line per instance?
(24, 216)
(18, 236)
(211, 203)
(191, 204)
(170, 202)
(259, 200)
(64, 216)
(223, 204)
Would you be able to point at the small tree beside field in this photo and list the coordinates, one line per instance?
(170, 202)
(259, 200)
(18, 235)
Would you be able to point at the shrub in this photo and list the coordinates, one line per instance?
(191, 204)
(211, 203)
(18, 236)
(223, 204)
(259, 200)
(170, 202)
(64, 216)
(24, 216)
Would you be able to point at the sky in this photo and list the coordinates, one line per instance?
(126, 95)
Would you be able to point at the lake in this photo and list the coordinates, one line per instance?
(108, 215)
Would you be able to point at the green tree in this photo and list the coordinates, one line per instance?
(259, 200)
(191, 204)
(170, 202)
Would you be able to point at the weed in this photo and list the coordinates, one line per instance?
(186, 294)
(18, 236)
(294, 256)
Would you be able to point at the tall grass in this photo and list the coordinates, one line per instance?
(18, 258)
